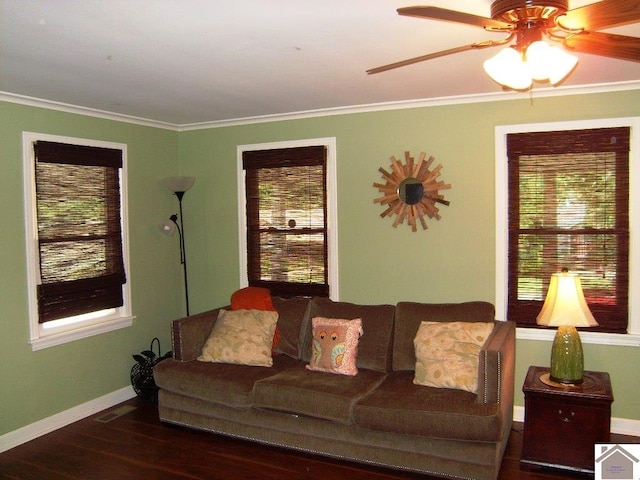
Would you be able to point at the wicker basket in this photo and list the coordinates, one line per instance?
(142, 372)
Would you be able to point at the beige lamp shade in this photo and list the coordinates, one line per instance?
(565, 304)
(179, 184)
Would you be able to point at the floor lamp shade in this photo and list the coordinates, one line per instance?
(566, 308)
(179, 184)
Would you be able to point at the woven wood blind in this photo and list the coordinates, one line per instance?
(569, 208)
(79, 229)
(287, 220)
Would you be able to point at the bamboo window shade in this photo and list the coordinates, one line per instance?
(287, 220)
(79, 229)
(569, 208)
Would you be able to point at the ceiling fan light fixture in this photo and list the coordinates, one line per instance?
(507, 68)
(542, 62)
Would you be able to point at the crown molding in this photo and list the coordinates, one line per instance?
(80, 110)
(419, 103)
(324, 112)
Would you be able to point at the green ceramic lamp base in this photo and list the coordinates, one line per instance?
(567, 359)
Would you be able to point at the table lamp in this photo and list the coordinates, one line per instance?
(566, 308)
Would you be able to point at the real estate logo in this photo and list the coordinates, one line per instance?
(617, 461)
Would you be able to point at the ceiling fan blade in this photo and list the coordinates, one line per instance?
(436, 13)
(607, 13)
(442, 53)
(419, 59)
(605, 44)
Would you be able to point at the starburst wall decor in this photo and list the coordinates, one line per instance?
(411, 191)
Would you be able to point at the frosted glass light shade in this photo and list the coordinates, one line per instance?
(168, 228)
(179, 184)
(565, 304)
(549, 63)
(561, 64)
(537, 54)
(508, 69)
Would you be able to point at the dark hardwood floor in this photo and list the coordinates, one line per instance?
(137, 446)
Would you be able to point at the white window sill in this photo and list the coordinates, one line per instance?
(596, 338)
(80, 332)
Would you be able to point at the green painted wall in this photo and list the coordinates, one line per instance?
(36, 385)
(452, 261)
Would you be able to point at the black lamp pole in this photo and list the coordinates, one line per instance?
(179, 185)
(183, 251)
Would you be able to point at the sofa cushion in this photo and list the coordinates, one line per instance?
(399, 406)
(242, 337)
(315, 394)
(409, 315)
(335, 345)
(292, 313)
(222, 383)
(374, 349)
(447, 353)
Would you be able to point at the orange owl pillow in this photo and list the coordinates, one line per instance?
(335, 345)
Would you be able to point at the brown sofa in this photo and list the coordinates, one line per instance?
(377, 416)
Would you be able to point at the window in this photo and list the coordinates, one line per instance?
(286, 218)
(569, 207)
(76, 238)
(566, 197)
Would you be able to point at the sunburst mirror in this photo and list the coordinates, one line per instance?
(411, 191)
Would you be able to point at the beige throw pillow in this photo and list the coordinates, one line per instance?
(242, 337)
(447, 354)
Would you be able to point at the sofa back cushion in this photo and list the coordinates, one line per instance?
(409, 315)
(292, 314)
(374, 348)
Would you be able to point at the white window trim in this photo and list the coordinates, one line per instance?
(39, 337)
(632, 338)
(332, 205)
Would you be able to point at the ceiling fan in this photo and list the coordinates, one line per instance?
(527, 23)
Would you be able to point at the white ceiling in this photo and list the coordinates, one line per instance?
(185, 62)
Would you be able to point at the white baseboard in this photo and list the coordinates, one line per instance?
(59, 420)
(622, 426)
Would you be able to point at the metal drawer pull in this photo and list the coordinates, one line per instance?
(565, 418)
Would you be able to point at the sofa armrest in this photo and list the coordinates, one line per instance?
(497, 365)
(189, 334)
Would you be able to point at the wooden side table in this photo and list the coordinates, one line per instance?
(563, 422)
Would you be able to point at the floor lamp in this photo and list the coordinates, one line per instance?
(179, 185)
